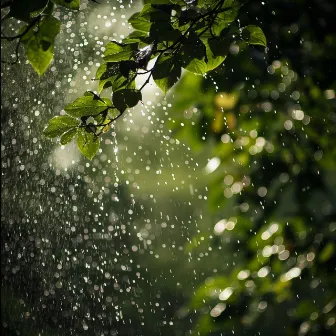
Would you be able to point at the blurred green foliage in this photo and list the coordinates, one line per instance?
(270, 122)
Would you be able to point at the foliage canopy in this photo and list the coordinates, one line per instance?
(175, 34)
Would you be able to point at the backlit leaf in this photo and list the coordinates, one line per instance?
(254, 35)
(87, 106)
(59, 125)
(88, 143)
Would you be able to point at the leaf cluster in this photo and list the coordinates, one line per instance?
(195, 37)
(40, 29)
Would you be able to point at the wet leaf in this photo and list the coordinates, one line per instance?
(88, 143)
(40, 45)
(116, 52)
(59, 125)
(68, 136)
(37, 56)
(87, 106)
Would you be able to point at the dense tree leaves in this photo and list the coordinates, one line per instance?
(273, 191)
(195, 37)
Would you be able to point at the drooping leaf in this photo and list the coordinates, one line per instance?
(38, 56)
(59, 125)
(71, 4)
(68, 136)
(87, 142)
(49, 28)
(40, 45)
(254, 35)
(166, 72)
(126, 98)
(87, 106)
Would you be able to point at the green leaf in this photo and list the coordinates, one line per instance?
(218, 46)
(40, 45)
(49, 28)
(122, 82)
(88, 105)
(193, 54)
(71, 4)
(254, 35)
(38, 56)
(68, 136)
(197, 66)
(106, 74)
(216, 51)
(163, 31)
(27, 10)
(139, 23)
(137, 36)
(116, 52)
(88, 143)
(59, 125)
(227, 14)
(166, 72)
(125, 67)
(113, 113)
(126, 98)
(143, 20)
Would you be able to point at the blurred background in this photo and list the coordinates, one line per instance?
(211, 211)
